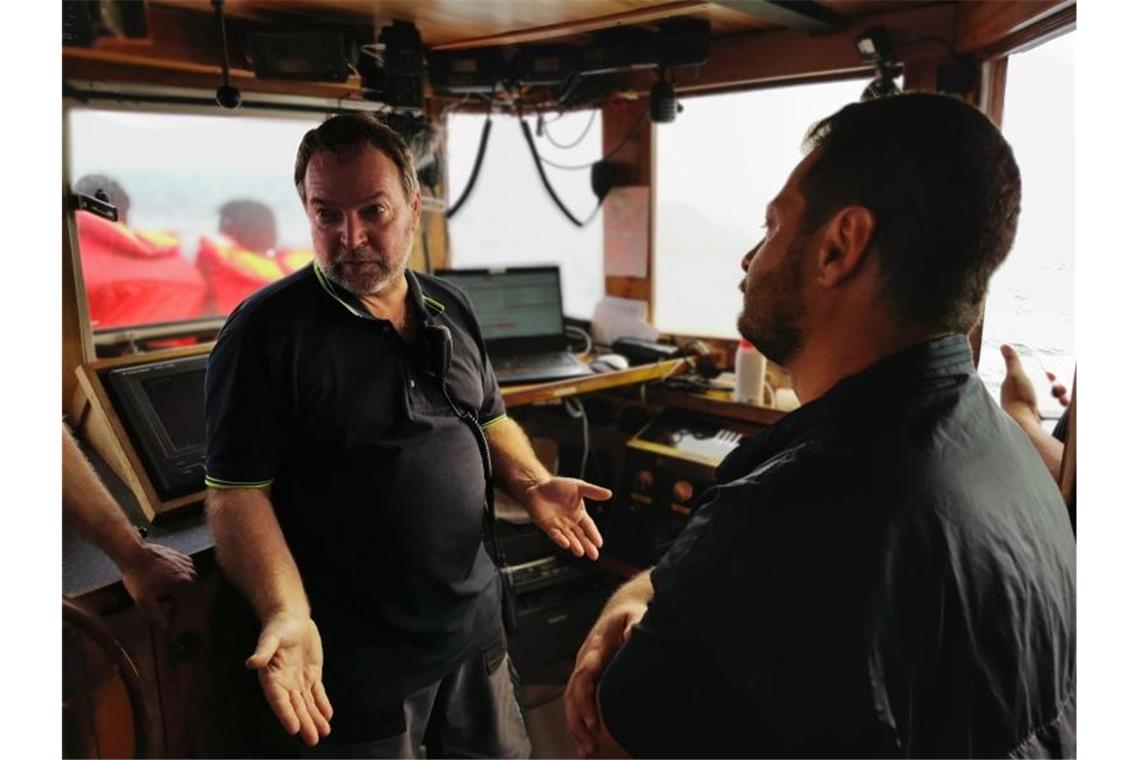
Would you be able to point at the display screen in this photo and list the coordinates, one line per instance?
(178, 401)
(163, 408)
(525, 303)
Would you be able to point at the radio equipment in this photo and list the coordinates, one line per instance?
(669, 465)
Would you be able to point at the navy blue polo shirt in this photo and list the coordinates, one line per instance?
(377, 485)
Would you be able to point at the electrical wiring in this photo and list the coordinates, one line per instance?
(546, 182)
(606, 157)
(585, 336)
(375, 51)
(574, 143)
(478, 162)
(574, 408)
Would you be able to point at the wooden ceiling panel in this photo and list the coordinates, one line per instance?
(440, 22)
(860, 8)
(458, 24)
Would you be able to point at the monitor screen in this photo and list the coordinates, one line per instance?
(162, 406)
(179, 400)
(513, 303)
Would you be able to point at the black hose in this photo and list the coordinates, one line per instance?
(474, 171)
(542, 176)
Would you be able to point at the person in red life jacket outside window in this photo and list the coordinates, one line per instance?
(132, 277)
(246, 257)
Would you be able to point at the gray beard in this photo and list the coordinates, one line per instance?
(364, 283)
(370, 281)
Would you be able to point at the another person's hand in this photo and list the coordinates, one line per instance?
(288, 661)
(579, 701)
(557, 507)
(152, 574)
(1018, 398)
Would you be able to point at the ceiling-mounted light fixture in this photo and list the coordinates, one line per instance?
(874, 46)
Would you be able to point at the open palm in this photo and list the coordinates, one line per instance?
(557, 507)
(288, 661)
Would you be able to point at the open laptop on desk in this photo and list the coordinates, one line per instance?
(520, 313)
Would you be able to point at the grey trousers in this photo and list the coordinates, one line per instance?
(472, 712)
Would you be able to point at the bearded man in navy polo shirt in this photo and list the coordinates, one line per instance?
(347, 479)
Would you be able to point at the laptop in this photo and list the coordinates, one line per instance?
(520, 313)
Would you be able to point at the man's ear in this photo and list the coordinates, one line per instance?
(416, 209)
(844, 245)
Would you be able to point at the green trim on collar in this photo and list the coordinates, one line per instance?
(224, 485)
(328, 288)
(492, 422)
(429, 301)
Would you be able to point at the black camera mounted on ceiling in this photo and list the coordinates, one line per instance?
(227, 95)
(874, 46)
(956, 76)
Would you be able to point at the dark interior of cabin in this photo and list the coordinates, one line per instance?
(587, 178)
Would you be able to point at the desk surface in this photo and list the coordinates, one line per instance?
(521, 395)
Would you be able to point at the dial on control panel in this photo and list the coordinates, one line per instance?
(682, 491)
(643, 480)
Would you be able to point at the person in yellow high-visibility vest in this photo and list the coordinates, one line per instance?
(132, 277)
(246, 256)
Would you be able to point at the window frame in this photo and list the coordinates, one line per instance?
(158, 101)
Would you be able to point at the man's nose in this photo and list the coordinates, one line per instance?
(747, 260)
(354, 232)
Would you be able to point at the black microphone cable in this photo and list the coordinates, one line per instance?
(498, 555)
(546, 182)
(478, 161)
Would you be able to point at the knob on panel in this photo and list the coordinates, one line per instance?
(643, 480)
(682, 491)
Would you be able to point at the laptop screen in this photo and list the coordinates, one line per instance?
(513, 305)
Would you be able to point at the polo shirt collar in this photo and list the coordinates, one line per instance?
(426, 308)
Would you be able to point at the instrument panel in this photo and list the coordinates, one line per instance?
(669, 465)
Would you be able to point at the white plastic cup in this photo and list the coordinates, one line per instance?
(751, 377)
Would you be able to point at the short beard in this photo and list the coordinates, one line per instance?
(369, 280)
(772, 322)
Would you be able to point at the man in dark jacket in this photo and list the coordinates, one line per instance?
(888, 570)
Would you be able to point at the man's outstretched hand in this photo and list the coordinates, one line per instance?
(557, 507)
(288, 661)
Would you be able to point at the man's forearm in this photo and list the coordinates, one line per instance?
(638, 590)
(90, 509)
(1050, 449)
(252, 551)
(517, 468)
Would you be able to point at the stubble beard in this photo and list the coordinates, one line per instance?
(774, 308)
(377, 275)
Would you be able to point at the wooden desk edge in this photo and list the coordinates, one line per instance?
(520, 395)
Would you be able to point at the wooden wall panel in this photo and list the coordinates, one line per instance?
(622, 120)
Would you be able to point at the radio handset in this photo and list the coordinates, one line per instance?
(439, 348)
